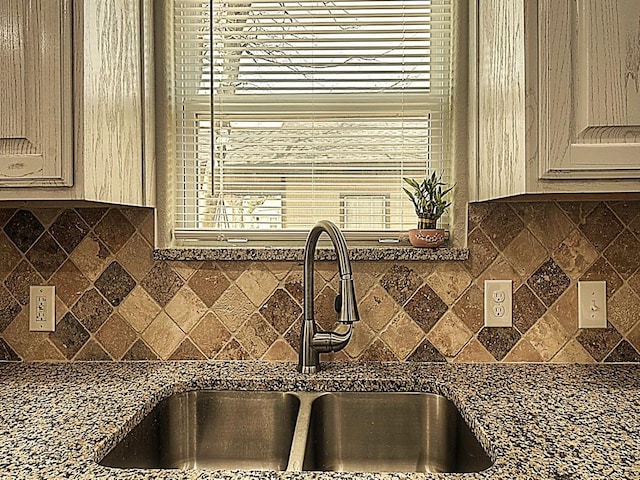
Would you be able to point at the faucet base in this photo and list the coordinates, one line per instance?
(308, 369)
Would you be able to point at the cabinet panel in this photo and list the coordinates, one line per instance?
(35, 93)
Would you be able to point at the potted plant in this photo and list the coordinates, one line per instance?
(429, 198)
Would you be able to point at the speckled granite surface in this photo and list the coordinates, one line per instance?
(537, 421)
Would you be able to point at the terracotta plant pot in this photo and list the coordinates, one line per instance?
(426, 238)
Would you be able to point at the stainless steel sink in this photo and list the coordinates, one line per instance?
(294, 431)
(212, 430)
(390, 432)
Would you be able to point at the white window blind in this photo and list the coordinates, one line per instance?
(293, 111)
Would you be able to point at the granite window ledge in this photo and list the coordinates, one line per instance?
(281, 254)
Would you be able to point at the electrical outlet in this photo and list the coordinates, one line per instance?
(498, 303)
(592, 304)
(42, 308)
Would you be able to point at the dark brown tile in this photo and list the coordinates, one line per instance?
(140, 351)
(20, 279)
(46, 256)
(577, 211)
(634, 226)
(624, 352)
(137, 215)
(626, 211)
(481, 252)
(477, 213)
(426, 352)
(70, 283)
(281, 311)
(114, 230)
(324, 308)
(232, 351)
(6, 352)
(5, 215)
(23, 229)
(501, 225)
(469, 308)
(69, 230)
(162, 283)
(425, 308)
(210, 335)
(9, 256)
(602, 270)
(498, 341)
(294, 285)
(9, 308)
(527, 309)
(601, 227)
(187, 351)
(548, 282)
(92, 351)
(401, 282)
(599, 341)
(70, 336)
(634, 282)
(623, 254)
(91, 215)
(546, 221)
(292, 335)
(209, 283)
(92, 310)
(115, 283)
(378, 352)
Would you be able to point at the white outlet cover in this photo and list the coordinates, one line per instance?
(498, 293)
(592, 304)
(42, 308)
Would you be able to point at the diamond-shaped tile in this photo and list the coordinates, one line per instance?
(187, 351)
(502, 225)
(137, 256)
(92, 310)
(502, 269)
(377, 308)
(116, 336)
(186, 308)
(30, 346)
(474, 352)
(525, 253)
(280, 351)
(623, 309)
(601, 227)
(360, 339)
(70, 283)
(295, 286)
(91, 256)
(280, 310)
(548, 282)
(546, 221)
(139, 309)
(23, 229)
(449, 335)
(46, 256)
(626, 211)
(324, 308)
(523, 352)
(9, 308)
(114, 230)
(69, 229)
(378, 352)
(469, 308)
(634, 336)
(139, 351)
(622, 254)
(599, 341)
(547, 336)
(426, 352)
(115, 283)
(20, 279)
(162, 283)
(292, 335)
(163, 335)
(69, 336)
(527, 309)
(577, 211)
(137, 216)
(481, 252)
(257, 283)
(602, 270)
(9, 256)
(92, 351)
(566, 310)
(575, 254)
(210, 335)
(634, 227)
(449, 280)
(232, 350)
(233, 308)
(477, 213)
(5, 215)
(256, 336)
(498, 341)
(572, 352)
(91, 215)
(401, 282)
(634, 282)
(7, 353)
(402, 335)
(425, 308)
(624, 352)
(209, 283)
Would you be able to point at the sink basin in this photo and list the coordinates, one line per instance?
(212, 430)
(390, 432)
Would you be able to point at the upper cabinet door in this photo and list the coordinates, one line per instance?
(589, 74)
(36, 131)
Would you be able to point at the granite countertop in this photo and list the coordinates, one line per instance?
(536, 421)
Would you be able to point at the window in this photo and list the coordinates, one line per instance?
(288, 112)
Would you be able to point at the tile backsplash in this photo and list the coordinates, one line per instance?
(115, 302)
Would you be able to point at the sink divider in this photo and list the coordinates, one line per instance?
(301, 432)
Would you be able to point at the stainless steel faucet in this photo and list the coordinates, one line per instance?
(312, 341)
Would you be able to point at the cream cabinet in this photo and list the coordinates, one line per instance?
(558, 91)
(75, 115)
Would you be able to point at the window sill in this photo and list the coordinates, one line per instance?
(280, 254)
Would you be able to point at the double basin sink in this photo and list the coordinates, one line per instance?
(302, 431)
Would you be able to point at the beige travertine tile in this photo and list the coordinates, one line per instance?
(232, 350)
(634, 336)
(474, 352)
(402, 335)
(70, 283)
(360, 340)
(470, 308)
(547, 336)
(500, 269)
(377, 308)
(525, 253)
(186, 308)
(623, 309)
(91, 256)
(256, 336)
(187, 351)
(147, 229)
(233, 308)
(184, 269)
(546, 221)
(210, 335)
(116, 336)
(257, 283)
(163, 335)
(575, 254)
(30, 345)
(572, 352)
(449, 335)
(523, 352)
(139, 309)
(280, 269)
(565, 310)
(136, 256)
(280, 351)
(449, 280)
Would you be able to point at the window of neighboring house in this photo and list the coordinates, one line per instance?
(288, 112)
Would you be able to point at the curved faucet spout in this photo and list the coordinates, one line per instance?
(312, 341)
